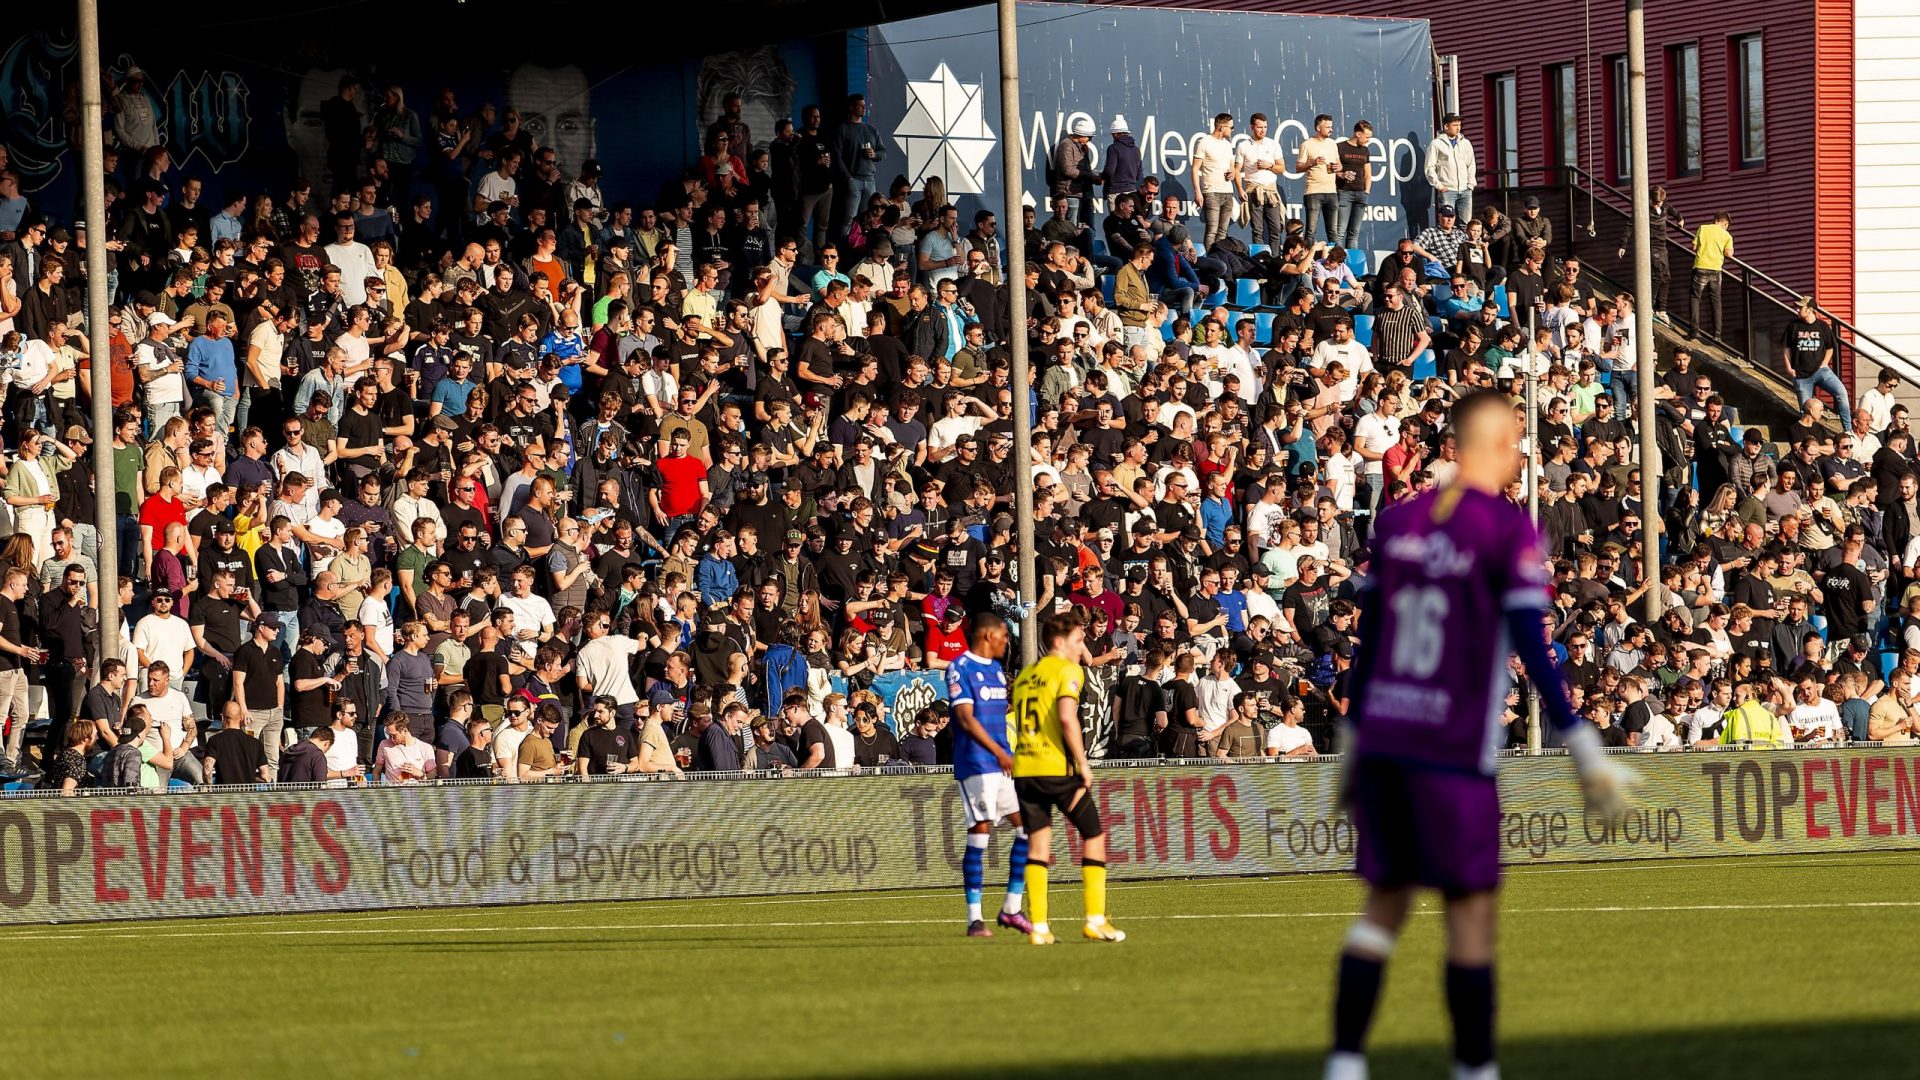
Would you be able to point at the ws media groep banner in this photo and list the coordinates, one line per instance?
(934, 88)
(134, 857)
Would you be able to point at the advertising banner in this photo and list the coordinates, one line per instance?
(131, 857)
(1167, 71)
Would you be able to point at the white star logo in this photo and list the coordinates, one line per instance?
(944, 134)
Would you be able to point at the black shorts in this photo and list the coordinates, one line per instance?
(1039, 795)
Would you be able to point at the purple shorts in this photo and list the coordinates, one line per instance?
(1417, 826)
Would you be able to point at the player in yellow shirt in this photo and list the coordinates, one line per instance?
(1050, 770)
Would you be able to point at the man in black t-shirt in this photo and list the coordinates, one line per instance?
(310, 682)
(476, 761)
(214, 622)
(805, 736)
(1807, 346)
(605, 748)
(234, 756)
(259, 686)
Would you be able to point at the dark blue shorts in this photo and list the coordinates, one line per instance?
(1417, 826)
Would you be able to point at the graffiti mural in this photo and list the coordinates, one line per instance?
(33, 122)
(253, 127)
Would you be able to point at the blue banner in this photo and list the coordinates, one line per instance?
(906, 693)
(936, 83)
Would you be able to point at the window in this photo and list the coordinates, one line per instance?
(1504, 98)
(1683, 74)
(1750, 101)
(1563, 115)
(1619, 117)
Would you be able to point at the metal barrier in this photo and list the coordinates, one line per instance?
(233, 852)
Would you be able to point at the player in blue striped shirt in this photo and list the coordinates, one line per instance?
(983, 765)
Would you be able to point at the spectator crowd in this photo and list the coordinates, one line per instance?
(448, 464)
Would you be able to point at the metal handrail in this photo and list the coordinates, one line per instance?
(1751, 272)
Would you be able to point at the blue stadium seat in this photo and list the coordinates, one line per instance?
(1219, 297)
(1363, 329)
(1819, 623)
(1442, 292)
(18, 785)
(1099, 244)
(178, 785)
(1424, 366)
(1888, 661)
(1166, 330)
(1357, 261)
(1436, 324)
(1106, 288)
(1259, 249)
(1500, 297)
(1246, 293)
(1263, 326)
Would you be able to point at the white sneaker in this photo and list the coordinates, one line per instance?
(1344, 1066)
(1489, 1071)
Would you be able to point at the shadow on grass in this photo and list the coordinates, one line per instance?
(1846, 1049)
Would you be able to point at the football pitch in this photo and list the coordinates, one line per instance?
(1754, 967)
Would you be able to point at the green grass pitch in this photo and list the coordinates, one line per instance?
(1756, 967)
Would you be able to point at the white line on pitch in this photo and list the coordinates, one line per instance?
(147, 935)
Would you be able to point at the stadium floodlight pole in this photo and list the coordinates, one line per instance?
(1532, 374)
(1013, 173)
(1645, 304)
(99, 332)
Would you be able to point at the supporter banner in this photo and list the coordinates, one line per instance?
(244, 112)
(1168, 71)
(119, 857)
(906, 693)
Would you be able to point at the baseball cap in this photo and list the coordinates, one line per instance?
(161, 318)
(582, 204)
(1447, 211)
(222, 526)
(76, 433)
(795, 536)
(756, 478)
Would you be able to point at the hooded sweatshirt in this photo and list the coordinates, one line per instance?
(306, 763)
(1121, 173)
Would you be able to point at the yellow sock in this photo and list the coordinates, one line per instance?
(1094, 880)
(1037, 892)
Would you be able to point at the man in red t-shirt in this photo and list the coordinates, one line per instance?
(683, 486)
(947, 639)
(1403, 458)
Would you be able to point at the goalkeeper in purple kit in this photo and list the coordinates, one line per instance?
(1458, 582)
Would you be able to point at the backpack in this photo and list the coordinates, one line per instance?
(121, 769)
(1323, 672)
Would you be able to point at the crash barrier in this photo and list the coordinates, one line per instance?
(239, 851)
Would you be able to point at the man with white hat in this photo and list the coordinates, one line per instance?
(1070, 172)
(1120, 173)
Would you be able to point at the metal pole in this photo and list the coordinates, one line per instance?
(1013, 169)
(1643, 325)
(1533, 494)
(99, 332)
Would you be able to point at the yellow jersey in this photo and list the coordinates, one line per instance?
(1041, 749)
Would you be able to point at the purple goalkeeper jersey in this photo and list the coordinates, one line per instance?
(1447, 567)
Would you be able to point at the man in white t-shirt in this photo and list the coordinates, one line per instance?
(1342, 346)
(602, 666)
(168, 706)
(1260, 162)
(498, 186)
(1373, 435)
(532, 615)
(1319, 159)
(1288, 738)
(354, 259)
(160, 369)
(1214, 174)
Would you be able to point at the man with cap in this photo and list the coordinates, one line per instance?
(1441, 242)
(1121, 171)
(160, 368)
(1529, 225)
(1451, 169)
(1070, 174)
